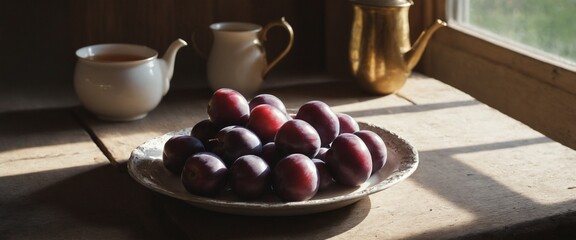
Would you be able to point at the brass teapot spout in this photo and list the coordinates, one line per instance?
(380, 53)
(413, 56)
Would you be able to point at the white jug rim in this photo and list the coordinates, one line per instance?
(235, 27)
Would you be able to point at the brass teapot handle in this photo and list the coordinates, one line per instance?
(280, 23)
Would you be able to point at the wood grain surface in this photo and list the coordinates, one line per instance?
(481, 172)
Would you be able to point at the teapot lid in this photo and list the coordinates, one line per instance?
(385, 3)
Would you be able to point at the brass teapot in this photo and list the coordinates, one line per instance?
(380, 52)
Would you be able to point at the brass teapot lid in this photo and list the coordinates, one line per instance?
(384, 3)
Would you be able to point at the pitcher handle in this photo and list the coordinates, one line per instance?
(281, 23)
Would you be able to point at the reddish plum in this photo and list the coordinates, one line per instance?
(265, 120)
(297, 136)
(295, 178)
(228, 107)
(322, 118)
(349, 160)
(376, 146)
(347, 123)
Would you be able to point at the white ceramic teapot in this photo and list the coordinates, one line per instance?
(123, 82)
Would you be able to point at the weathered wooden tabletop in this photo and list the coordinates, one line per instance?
(481, 174)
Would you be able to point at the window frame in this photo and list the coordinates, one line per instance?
(533, 88)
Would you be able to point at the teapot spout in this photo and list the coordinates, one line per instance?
(412, 57)
(169, 59)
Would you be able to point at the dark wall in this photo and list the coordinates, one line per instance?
(39, 37)
(35, 41)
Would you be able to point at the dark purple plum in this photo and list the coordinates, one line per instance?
(265, 120)
(349, 160)
(267, 99)
(322, 118)
(204, 174)
(204, 130)
(178, 149)
(297, 136)
(234, 142)
(250, 177)
(347, 123)
(270, 154)
(325, 178)
(295, 178)
(376, 146)
(322, 153)
(222, 132)
(228, 107)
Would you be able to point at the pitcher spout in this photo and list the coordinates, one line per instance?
(412, 57)
(169, 59)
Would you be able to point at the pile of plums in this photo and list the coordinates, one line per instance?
(256, 147)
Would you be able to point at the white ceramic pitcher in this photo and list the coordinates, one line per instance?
(237, 59)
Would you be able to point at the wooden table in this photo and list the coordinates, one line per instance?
(481, 175)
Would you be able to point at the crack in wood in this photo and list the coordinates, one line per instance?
(97, 141)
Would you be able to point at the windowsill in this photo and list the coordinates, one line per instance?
(525, 88)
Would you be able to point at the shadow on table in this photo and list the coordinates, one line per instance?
(57, 123)
(103, 202)
(89, 202)
(227, 226)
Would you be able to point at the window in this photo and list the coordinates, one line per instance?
(543, 29)
(517, 56)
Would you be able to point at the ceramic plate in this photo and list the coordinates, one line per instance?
(145, 166)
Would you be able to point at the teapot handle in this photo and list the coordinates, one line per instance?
(281, 23)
